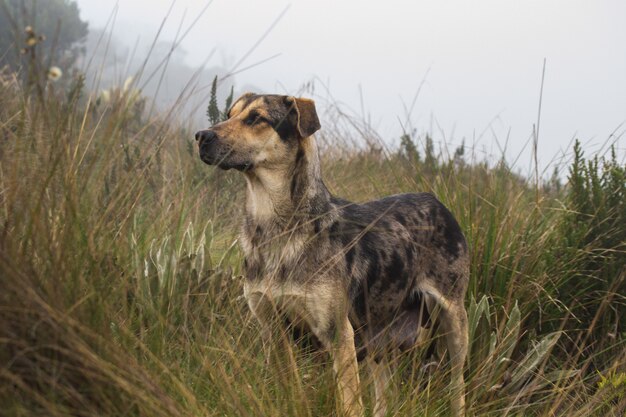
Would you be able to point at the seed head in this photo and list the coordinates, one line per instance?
(54, 73)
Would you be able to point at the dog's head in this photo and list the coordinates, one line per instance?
(261, 131)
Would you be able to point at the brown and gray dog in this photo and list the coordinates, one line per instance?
(357, 275)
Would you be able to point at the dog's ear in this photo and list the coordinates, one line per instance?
(237, 105)
(307, 120)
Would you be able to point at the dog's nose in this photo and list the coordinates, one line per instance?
(204, 135)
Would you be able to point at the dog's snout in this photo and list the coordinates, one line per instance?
(205, 135)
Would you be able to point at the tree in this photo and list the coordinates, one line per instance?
(430, 159)
(53, 27)
(213, 111)
(408, 148)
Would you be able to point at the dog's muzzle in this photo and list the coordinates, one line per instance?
(204, 136)
(206, 146)
(212, 152)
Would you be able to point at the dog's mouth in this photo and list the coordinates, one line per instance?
(239, 167)
(209, 159)
(223, 162)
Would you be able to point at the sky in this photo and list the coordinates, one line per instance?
(475, 66)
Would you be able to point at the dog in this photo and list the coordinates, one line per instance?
(356, 275)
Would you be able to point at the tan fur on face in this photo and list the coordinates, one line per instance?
(238, 105)
(259, 141)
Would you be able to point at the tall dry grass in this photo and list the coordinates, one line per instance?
(121, 293)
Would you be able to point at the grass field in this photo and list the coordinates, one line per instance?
(121, 287)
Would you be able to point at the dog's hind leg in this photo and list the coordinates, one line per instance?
(453, 319)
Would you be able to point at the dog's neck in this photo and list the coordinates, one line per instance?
(290, 195)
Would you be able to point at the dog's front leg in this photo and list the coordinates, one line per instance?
(381, 376)
(262, 309)
(347, 370)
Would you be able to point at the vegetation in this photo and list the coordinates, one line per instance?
(213, 112)
(121, 287)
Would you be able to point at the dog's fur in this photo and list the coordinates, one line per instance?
(356, 274)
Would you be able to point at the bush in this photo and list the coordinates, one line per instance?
(593, 236)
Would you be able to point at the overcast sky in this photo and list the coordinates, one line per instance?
(480, 61)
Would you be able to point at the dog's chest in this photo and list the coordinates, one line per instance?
(272, 255)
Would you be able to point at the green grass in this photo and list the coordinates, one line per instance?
(121, 287)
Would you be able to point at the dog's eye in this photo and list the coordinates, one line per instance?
(254, 118)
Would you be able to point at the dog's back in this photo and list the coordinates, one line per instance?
(396, 249)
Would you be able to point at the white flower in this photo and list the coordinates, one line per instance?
(54, 73)
(127, 83)
(105, 95)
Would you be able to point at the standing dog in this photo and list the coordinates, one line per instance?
(356, 275)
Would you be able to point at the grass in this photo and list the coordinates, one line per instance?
(121, 287)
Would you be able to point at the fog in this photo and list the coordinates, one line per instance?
(460, 70)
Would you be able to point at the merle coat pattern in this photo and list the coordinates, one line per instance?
(358, 276)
